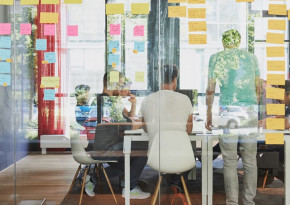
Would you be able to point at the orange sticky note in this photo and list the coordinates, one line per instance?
(244, 0)
(114, 77)
(197, 26)
(197, 13)
(196, 1)
(274, 138)
(49, 1)
(135, 51)
(197, 39)
(176, 11)
(288, 14)
(277, 38)
(114, 50)
(48, 17)
(275, 51)
(44, 62)
(114, 9)
(275, 93)
(6, 2)
(277, 9)
(275, 109)
(176, 1)
(5, 84)
(277, 24)
(276, 65)
(73, 1)
(8, 60)
(275, 79)
(113, 65)
(140, 8)
(275, 123)
(29, 2)
(41, 86)
(139, 77)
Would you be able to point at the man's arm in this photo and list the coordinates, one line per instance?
(189, 124)
(209, 101)
(132, 112)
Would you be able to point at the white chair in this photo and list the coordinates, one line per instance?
(81, 157)
(171, 153)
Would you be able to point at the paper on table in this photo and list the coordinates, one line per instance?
(25, 29)
(176, 11)
(275, 51)
(6, 2)
(50, 57)
(138, 30)
(139, 77)
(274, 138)
(49, 94)
(5, 80)
(5, 42)
(72, 30)
(197, 26)
(41, 44)
(275, 79)
(115, 29)
(277, 9)
(114, 77)
(275, 109)
(49, 1)
(277, 24)
(275, 93)
(48, 17)
(29, 2)
(276, 65)
(49, 29)
(196, 1)
(197, 13)
(277, 38)
(197, 39)
(5, 54)
(275, 123)
(140, 8)
(5, 28)
(73, 1)
(114, 9)
(50, 82)
(5, 67)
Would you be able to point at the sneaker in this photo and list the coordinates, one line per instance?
(89, 187)
(136, 193)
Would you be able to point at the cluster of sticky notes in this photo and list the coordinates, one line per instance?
(49, 82)
(49, 94)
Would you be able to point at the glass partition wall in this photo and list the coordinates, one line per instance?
(180, 102)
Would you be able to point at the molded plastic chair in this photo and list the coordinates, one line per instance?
(81, 157)
(171, 152)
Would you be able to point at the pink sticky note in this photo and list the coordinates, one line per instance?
(72, 30)
(115, 29)
(25, 29)
(49, 29)
(139, 30)
(5, 28)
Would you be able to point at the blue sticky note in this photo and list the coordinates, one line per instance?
(49, 94)
(5, 67)
(113, 58)
(5, 42)
(5, 54)
(114, 44)
(41, 44)
(4, 78)
(50, 57)
(139, 46)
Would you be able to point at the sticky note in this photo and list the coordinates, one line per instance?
(197, 39)
(276, 38)
(176, 11)
(73, 1)
(176, 1)
(49, 1)
(277, 24)
(196, 1)
(139, 46)
(25, 28)
(45, 62)
(244, 0)
(197, 26)
(50, 57)
(5, 54)
(114, 44)
(114, 65)
(140, 8)
(6, 2)
(275, 93)
(275, 123)
(29, 2)
(72, 30)
(277, 9)
(114, 9)
(275, 109)
(49, 29)
(41, 44)
(5, 42)
(197, 13)
(48, 17)
(135, 51)
(115, 29)
(274, 138)
(50, 82)
(276, 65)
(113, 58)
(138, 30)
(5, 80)
(275, 51)
(49, 94)
(114, 77)
(5, 28)
(9, 60)
(288, 14)
(5, 67)
(275, 79)
(139, 77)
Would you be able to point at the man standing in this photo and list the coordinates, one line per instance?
(237, 72)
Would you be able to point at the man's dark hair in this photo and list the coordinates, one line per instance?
(286, 86)
(168, 73)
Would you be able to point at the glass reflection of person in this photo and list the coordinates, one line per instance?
(237, 72)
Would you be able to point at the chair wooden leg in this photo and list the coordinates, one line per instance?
(109, 183)
(185, 190)
(71, 186)
(265, 179)
(83, 186)
(154, 197)
(97, 167)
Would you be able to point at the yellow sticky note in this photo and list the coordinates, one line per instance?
(8, 60)
(244, 0)
(6, 2)
(114, 9)
(277, 38)
(114, 77)
(275, 109)
(277, 9)
(113, 65)
(276, 65)
(140, 8)
(275, 51)
(41, 86)
(275, 79)
(114, 50)
(50, 82)
(139, 77)
(5, 84)
(176, 11)
(277, 24)
(197, 13)
(73, 1)
(29, 2)
(44, 62)
(197, 26)
(275, 123)
(48, 17)
(196, 1)
(135, 51)
(274, 138)
(197, 39)
(288, 14)
(49, 1)
(176, 1)
(275, 93)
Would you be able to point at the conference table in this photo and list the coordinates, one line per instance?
(206, 138)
